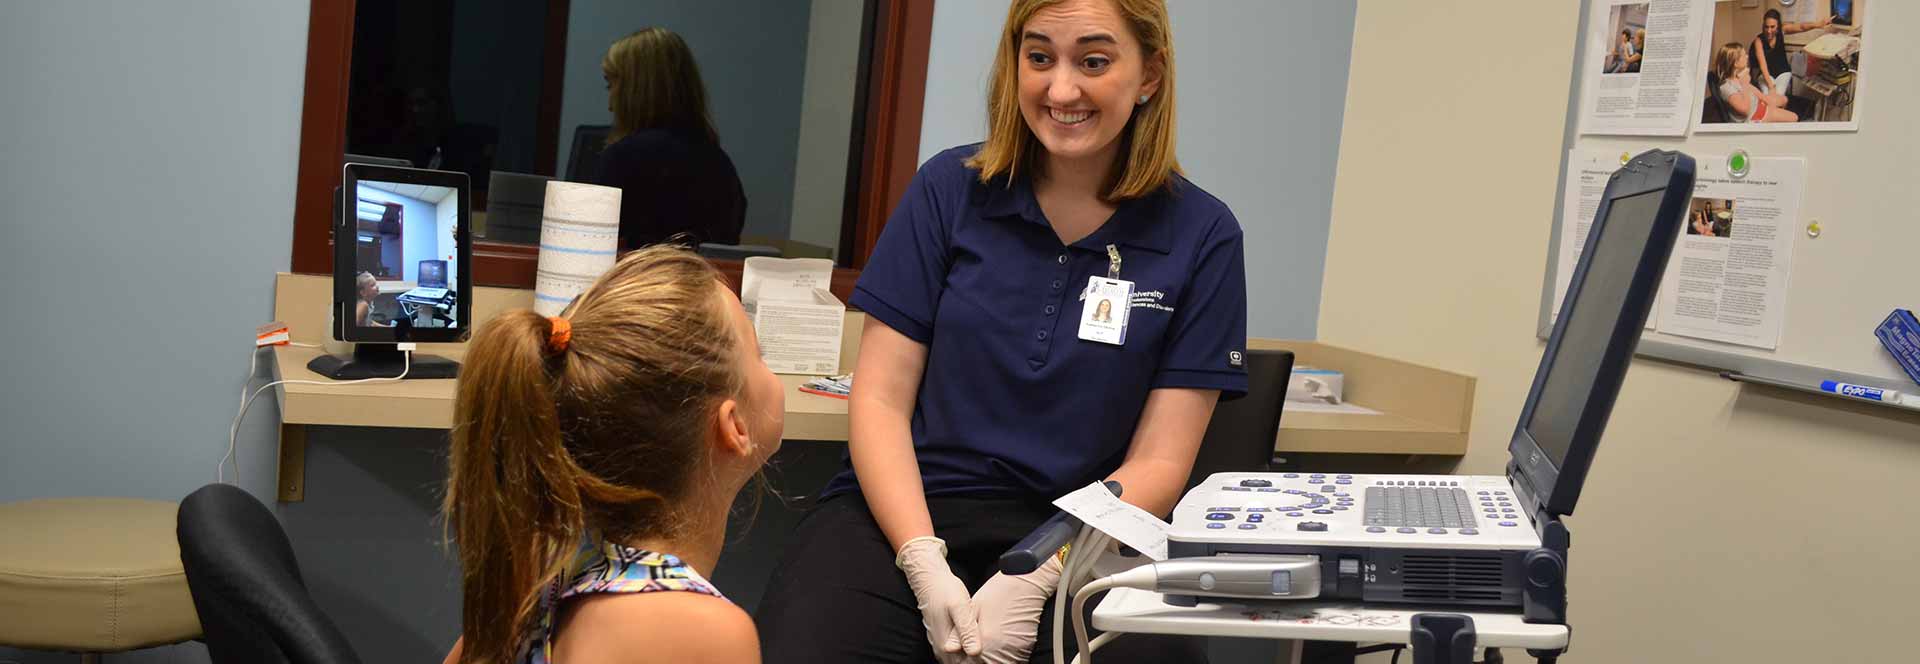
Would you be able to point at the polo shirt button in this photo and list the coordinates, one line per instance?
(1041, 335)
(1050, 310)
(1056, 284)
(1062, 260)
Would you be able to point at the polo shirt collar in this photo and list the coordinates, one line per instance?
(1142, 222)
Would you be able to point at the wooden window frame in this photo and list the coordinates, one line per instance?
(882, 157)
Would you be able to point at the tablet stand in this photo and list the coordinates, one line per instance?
(372, 360)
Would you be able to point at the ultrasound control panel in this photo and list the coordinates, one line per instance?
(1351, 509)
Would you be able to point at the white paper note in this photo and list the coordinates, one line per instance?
(1095, 506)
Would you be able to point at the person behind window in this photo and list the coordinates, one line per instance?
(595, 461)
(663, 153)
(1747, 103)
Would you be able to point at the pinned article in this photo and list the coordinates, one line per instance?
(1639, 74)
(1727, 279)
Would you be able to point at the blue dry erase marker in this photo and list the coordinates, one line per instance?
(1860, 391)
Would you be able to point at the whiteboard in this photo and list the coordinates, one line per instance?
(1862, 186)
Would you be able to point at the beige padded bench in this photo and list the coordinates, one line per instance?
(92, 575)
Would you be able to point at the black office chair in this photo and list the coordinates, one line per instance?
(1240, 436)
(246, 584)
(1712, 109)
(583, 163)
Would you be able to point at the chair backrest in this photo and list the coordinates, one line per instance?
(583, 163)
(1241, 434)
(246, 584)
(1712, 108)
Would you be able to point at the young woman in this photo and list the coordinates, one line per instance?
(968, 415)
(1747, 103)
(1768, 53)
(595, 457)
(663, 153)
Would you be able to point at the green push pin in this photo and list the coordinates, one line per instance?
(1737, 163)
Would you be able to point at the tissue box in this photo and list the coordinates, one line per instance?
(1316, 385)
(798, 321)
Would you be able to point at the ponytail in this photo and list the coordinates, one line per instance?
(650, 351)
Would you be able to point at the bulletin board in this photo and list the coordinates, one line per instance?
(1861, 187)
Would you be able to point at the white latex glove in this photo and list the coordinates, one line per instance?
(952, 625)
(1009, 608)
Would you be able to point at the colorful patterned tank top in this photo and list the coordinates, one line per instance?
(609, 568)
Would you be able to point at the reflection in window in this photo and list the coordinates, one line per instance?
(512, 96)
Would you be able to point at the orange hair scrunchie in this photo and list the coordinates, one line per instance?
(561, 335)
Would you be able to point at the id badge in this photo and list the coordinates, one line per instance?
(1103, 314)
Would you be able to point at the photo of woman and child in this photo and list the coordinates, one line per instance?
(1772, 67)
(1710, 217)
(1629, 30)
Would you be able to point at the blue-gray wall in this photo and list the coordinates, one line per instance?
(146, 196)
(1262, 86)
(752, 55)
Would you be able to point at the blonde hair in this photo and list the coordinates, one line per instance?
(1147, 159)
(599, 438)
(364, 279)
(1728, 59)
(655, 84)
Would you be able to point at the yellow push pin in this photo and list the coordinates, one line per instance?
(1625, 157)
(1813, 228)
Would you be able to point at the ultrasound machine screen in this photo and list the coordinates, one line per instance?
(1629, 225)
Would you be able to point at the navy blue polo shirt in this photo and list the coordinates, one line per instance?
(1012, 401)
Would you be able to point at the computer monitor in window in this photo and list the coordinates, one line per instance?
(397, 280)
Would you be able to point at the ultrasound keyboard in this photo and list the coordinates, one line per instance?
(1354, 509)
(1419, 507)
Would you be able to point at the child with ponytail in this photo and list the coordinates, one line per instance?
(595, 457)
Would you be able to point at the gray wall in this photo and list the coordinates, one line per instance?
(1262, 86)
(146, 196)
(826, 121)
(752, 55)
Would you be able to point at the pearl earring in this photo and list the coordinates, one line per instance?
(1143, 100)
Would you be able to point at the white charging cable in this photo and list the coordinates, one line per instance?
(233, 432)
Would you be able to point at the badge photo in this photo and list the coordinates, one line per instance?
(1103, 314)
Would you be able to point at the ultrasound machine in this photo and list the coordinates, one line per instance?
(1464, 541)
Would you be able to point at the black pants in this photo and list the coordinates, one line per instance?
(837, 597)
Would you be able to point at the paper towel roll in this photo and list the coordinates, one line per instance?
(579, 235)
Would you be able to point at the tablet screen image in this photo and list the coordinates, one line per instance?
(405, 256)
